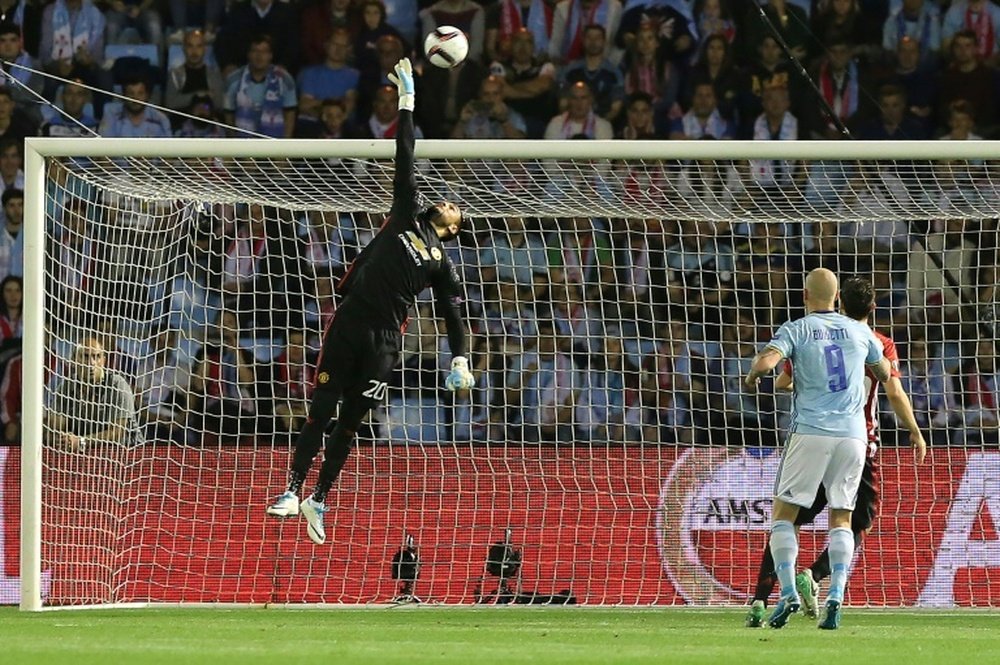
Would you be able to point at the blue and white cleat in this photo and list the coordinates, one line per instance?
(313, 512)
(808, 590)
(830, 619)
(286, 505)
(785, 608)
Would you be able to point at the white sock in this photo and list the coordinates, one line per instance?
(785, 549)
(841, 552)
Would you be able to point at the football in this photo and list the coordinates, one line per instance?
(446, 47)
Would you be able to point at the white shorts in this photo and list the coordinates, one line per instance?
(809, 460)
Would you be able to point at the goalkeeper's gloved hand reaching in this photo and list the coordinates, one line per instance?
(460, 377)
(402, 78)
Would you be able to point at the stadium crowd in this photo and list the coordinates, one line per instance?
(584, 329)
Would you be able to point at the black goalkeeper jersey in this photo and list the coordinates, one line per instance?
(403, 259)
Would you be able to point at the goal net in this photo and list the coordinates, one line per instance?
(615, 294)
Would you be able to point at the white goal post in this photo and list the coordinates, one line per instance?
(588, 184)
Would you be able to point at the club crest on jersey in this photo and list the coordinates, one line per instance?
(323, 377)
(715, 506)
(435, 253)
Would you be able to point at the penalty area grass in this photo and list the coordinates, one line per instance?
(485, 635)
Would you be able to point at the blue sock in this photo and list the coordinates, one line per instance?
(785, 549)
(841, 553)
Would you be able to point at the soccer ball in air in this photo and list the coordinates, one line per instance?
(446, 47)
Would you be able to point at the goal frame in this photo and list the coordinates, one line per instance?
(37, 150)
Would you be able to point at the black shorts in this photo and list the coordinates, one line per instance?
(356, 360)
(865, 508)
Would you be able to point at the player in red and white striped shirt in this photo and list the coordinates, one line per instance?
(857, 298)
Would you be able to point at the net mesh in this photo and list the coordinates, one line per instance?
(614, 306)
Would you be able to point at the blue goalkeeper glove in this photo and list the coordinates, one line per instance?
(403, 80)
(460, 377)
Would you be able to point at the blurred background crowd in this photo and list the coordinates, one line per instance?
(602, 330)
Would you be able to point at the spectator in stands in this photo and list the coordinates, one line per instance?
(73, 40)
(372, 26)
(261, 96)
(488, 117)
(578, 321)
(647, 71)
(203, 15)
(319, 19)
(332, 122)
(529, 83)
(204, 123)
(11, 163)
(979, 388)
(701, 277)
(382, 122)
(195, 76)
(894, 122)
(969, 79)
(715, 66)
(929, 295)
(776, 180)
(27, 17)
(704, 118)
(389, 50)
(10, 401)
(93, 405)
(712, 18)
(579, 119)
(840, 81)
(639, 118)
(75, 114)
(11, 237)
(961, 122)
(663, 404)
(845, 17)
(293, 380)
(542, 390)
(332, 79)
(918, 80)
(15, 124)
(506, 18)
(710, 185)
(465, 15)
(516, 257)
(569, 19)
(260, 17)
(11, 311)
(749, 418)
(161, 385)
(132, 22)
(134, 118)
(769, 68)
(223, 399)
(25, 82)
(981, 18)
(918, 20)
(580, 253)
(673, 29)
(608, 385)
(789, 19)
(930, 389)
(602, 77)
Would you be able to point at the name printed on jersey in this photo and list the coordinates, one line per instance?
(415, 247)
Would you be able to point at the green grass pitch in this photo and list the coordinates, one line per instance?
(486, 635)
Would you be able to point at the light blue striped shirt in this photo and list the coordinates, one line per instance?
(829, 352)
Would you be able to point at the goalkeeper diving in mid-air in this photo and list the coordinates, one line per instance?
(361, 345)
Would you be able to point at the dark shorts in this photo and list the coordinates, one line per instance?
(356, 361)
(865, 508)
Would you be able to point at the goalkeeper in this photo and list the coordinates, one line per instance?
(362, 344)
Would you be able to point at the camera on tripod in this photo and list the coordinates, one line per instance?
(406, 570)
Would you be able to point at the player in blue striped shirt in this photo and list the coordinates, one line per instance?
(828, 435)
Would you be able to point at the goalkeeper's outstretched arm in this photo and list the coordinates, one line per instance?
(404, 188)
